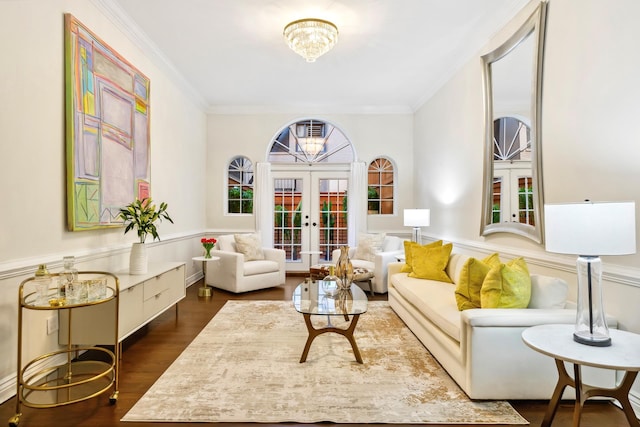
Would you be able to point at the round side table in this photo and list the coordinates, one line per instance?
(556, 341)
(205, 290)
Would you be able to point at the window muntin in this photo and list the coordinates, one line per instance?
(240, 186)
(311, 141)
(512, 139)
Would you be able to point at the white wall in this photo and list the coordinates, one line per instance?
(591, 103)
(251, 135)
(32, 163)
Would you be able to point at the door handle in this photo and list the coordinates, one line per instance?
(314, 224)
(306, 224)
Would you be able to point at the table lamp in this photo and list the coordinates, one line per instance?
(416, 218)
(590, 229)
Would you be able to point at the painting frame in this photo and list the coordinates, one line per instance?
(107, 118)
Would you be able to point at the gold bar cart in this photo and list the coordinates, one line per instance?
(61, 377)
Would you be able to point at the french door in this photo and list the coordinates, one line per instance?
(513, 194)
(310, 211)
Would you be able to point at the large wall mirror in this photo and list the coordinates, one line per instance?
(512, 193)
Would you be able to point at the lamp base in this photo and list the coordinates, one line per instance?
(591, 324)
(592, 340)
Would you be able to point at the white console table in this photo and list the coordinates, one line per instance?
(143, 297)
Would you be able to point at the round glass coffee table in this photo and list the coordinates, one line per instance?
(321, 298)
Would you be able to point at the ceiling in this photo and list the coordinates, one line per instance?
(391, 56)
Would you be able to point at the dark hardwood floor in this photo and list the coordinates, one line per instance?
(147, 354)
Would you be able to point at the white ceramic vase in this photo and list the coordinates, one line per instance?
(138, 259)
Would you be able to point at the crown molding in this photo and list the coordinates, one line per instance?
(296, 109)
(112, 11)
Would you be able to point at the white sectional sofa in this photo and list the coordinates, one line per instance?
(482, 349)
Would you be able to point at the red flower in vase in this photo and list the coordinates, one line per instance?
(208, 245)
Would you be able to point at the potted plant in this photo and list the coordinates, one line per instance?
(142, 215)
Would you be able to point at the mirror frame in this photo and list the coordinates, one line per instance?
(534, 26)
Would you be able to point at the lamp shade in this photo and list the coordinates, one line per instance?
(591, 228)
(417, 217)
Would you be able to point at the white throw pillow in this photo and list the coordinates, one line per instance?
(548, 292)
(250, 246)
(369, 244)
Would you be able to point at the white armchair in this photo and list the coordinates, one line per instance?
(392, 246)
(232, 273)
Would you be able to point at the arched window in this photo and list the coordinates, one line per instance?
(381, 187)
(240, 186)
(311, 141)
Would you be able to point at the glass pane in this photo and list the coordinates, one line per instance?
(386, 178)
(496, 208)
(386, 207)
(525, 200)
(332, 203)
(287, 217)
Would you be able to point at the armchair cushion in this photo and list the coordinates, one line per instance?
(250, 246)
(260, 267)
(369, 244)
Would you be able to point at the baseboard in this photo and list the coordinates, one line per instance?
(194, 278)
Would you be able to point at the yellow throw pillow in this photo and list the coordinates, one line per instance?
(470, 282)
(430, 263)
(507, 286)
(408, 258)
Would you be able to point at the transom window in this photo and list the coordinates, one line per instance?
(512, 139)
(240, 186)
(311, 141)
(381, 187)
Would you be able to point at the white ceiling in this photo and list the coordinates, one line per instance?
(391, 56)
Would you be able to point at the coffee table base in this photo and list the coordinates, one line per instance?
(347, 333)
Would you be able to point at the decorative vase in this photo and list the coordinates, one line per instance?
(344, 268)
(138, 259)
(331, 283)
(207, 251)
(344, 301)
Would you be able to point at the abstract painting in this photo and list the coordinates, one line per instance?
(107, 130)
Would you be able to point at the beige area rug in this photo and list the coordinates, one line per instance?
(244, 367)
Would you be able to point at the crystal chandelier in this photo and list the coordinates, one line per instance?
(311, 38)
(312, 145)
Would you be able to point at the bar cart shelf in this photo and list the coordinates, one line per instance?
(77, 372)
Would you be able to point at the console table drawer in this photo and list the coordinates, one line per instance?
(157, 303)
(154, 287)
